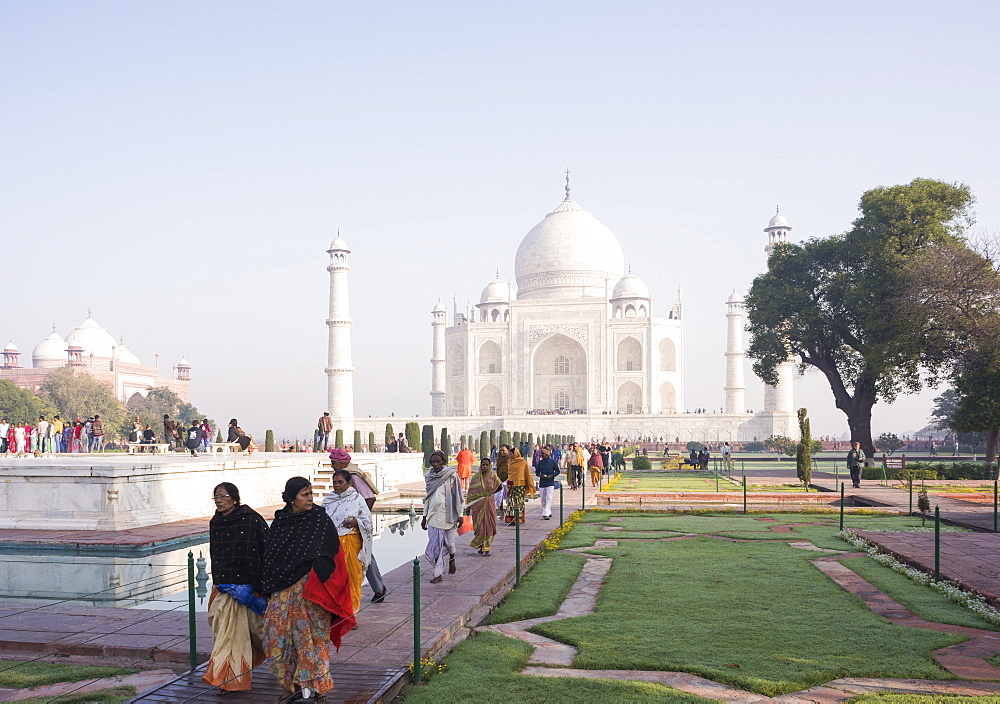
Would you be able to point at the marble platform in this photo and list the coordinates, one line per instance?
(118, 491)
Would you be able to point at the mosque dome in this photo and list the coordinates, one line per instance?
(339, 243)
(440, 307)
(734, 297)
(630, 286)
(50, 352)
(125, 355)
(777, 221)
(569, 254)
(496, 292)
(92, 339)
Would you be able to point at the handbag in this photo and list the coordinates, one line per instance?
(557, 485)
(465, 526)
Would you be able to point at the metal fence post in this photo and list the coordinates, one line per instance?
(192, 622)
(911, 495)
(517, 544)
(744, 494)
(842, 506)
(416, 620)
(937, 543)
(561, 502)
(994, 505)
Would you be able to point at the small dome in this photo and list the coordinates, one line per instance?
(183, 363)
(338, 243)
(125, 355)
(734, 298)
(50, 352)
(92, 338)
(777, 221)
(630, 286)
(496, 292)
(440, 308)
(11, 347)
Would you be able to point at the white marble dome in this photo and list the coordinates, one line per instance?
(50, 352)
(11, 347)
(569, 254)
(496, 292)
(125, 355)
(631, 286)
(440, 307)
(777, 221)
(734, 298)
(92, 338)
(339, 243)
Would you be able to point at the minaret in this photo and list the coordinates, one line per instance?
(778, 398)
(339, 367)
(735, 384)
(439, 399)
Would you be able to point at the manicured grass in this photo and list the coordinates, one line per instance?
(485, 668)
(20, 674)
(542, 590)
(115, 695)
(672, 481)
(923, 601)
(923, 699)
(784, 625)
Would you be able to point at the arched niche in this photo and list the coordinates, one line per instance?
(490, 400)
(629, 355)
(489, 358)
(629, 398)
(668, 355)
(668, 398)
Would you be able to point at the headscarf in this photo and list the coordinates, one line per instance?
(340, 507)
(453, 500)
(339, 454)
(236, 545)
(298, 542)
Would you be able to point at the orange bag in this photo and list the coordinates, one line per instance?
(466, 525)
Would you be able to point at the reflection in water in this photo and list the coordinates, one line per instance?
(159, 580)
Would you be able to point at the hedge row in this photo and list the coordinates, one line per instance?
(936, 470)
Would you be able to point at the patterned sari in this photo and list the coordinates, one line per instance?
(482, 508)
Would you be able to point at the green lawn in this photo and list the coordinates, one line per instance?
(20, 674)
(115, 695)
(485, 668)
(756, 614)
(923, 699)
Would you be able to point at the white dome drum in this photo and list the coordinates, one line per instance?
(50, 352)
(496, 292)
(569, 254)
(92, 338)
(631, 286)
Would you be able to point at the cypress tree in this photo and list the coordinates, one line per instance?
(531, 440)
(339, 442)
(389, 434)
(412, 435)
(218, 436)
(493, 439)
(445, 444)
(484, 445)
(505, 437)
(371, 442)
(428, 444)
(357, 441)
(268, 441)
(516, 439)
(803, 454)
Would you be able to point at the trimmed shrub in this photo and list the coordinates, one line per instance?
(641, 462)
(694, 445)
(412, 435)
(484, 445)
(389, 435)
(268, 441)
(754, 447)
(428, 443)
(339, 442)
(357, 441)
(445, 445)
(371, 442)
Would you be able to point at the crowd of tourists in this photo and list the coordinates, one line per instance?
(56, 435)
(285, 592)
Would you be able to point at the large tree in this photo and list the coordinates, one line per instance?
(160, 401)
(76, 394)
(20, 405)
(833, 303)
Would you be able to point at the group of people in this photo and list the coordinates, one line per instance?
(196, 436)
(52, 436)
(285, 592)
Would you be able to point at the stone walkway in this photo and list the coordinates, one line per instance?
(967, 660)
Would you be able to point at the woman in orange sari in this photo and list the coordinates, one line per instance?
(482, 507)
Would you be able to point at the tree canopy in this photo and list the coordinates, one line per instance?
(834, 303)
(160, 401)
(20, 405)
(76, 394)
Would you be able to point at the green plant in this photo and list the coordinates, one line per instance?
(268, 440)
(694, 445)
(371, 442)
(357, 441)
(803, 452)
(641, 462)
(923, 503)
(339, 438)
(754, 447)
(445, 444)
(427, 442)
(484, 445)
(389, 434)
(218, 436)
(412, 435)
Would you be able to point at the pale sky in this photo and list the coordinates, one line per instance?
(182, 167)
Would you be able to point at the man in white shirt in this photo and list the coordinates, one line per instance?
(44, 439)
(4, 429)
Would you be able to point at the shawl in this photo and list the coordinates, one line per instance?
(596, 460)
(334, 595)
(296, 543)
(519, 472)
(482, 486)
(356, 471)
(237, 546)
(453, 501)
(243, 593)
(340, 507)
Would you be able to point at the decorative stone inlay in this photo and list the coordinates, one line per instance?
(537, 332)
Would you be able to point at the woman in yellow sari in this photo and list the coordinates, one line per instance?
(350, 514)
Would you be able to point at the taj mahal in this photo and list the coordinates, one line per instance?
(576, 347)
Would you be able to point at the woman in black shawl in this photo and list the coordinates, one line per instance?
(235, 608)
(310, 599)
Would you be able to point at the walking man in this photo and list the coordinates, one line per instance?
(97, 435)
(325, 425)
(546, 471)
(854, 460)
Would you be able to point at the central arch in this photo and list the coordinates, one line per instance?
(629, 398)
(559, 375)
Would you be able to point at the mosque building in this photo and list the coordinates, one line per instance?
(575, 347)
(91, 348)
